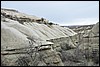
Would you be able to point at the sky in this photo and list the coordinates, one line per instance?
(59, 12)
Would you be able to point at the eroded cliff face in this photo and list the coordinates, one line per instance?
(32, 41)
(87, 48)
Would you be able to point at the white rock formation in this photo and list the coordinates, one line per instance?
(20, 36)
(30, 29)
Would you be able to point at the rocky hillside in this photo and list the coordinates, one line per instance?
(33, 41)
(22, 35)
(80, 28)
(88, 43)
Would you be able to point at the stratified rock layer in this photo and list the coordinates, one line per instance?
(25, 36)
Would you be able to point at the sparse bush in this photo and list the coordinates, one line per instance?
(22, 61)
(50, 23)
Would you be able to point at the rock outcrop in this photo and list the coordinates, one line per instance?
(31, 41)
(88, 44)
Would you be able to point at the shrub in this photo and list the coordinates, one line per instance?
(50, 23)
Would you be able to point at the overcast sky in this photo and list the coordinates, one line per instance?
(60, 12)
